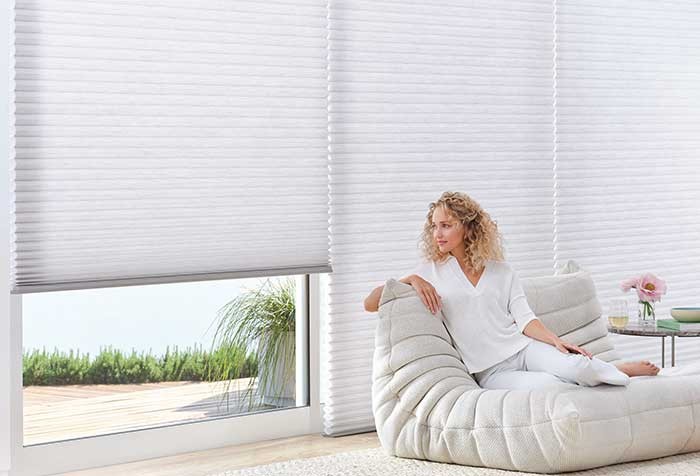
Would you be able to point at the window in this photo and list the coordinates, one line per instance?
(149, 142)
(104, 361)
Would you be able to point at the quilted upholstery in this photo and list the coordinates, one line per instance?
(568, 306)
(427, 406)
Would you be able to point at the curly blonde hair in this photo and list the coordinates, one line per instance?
(483, 240)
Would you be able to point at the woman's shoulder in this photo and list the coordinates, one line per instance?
(427, 267)
(501, 266)
(421, 267)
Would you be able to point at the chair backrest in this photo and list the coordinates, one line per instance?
(413, 357)
(567, 304)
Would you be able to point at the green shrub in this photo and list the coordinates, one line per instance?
(259, 322)
(57, 368)
(111, 366)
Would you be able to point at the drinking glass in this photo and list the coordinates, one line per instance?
(618, 315)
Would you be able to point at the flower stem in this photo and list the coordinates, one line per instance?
(647, 309)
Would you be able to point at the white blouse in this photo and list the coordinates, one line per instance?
(485, 321)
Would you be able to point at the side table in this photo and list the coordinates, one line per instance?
(635, 329)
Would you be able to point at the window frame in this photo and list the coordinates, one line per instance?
(88, 452)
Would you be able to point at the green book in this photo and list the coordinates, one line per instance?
(678, 326)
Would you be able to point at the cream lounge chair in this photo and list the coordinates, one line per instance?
(427, 406)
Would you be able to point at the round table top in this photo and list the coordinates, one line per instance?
(636, 329)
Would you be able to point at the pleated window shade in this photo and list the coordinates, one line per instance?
(169, 141)
(426, 98)
(628, 151)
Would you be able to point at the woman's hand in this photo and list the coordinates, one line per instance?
(427, 293)
(565, 347)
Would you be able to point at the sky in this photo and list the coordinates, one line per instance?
(133, 317)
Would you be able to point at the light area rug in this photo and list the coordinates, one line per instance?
(374, 461)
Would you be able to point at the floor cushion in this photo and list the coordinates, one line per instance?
(427, 406)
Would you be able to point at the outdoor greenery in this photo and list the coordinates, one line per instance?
(254, 338)
(112, 366)
(262, 321)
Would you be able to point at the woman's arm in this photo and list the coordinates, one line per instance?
(537, 330)
(528, 324)
(372, 301)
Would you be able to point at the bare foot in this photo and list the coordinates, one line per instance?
(635, 369)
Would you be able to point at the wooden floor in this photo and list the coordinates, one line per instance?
(70, 411)
(202, 463)
(73, 411)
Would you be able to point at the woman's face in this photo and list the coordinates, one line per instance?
(448, 232)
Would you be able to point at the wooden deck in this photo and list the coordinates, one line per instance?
(75, 411)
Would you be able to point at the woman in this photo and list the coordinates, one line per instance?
(501, 341)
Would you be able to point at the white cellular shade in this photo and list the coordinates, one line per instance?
(426, 98)
(169, 140)
(628, 151)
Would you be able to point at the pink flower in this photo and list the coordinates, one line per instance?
(628, 284)
(649, 287)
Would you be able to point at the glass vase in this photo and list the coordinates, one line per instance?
(646, 313)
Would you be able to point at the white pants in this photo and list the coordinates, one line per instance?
(539, 365)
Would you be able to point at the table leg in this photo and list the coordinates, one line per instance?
(673, 351)
(663, 352)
